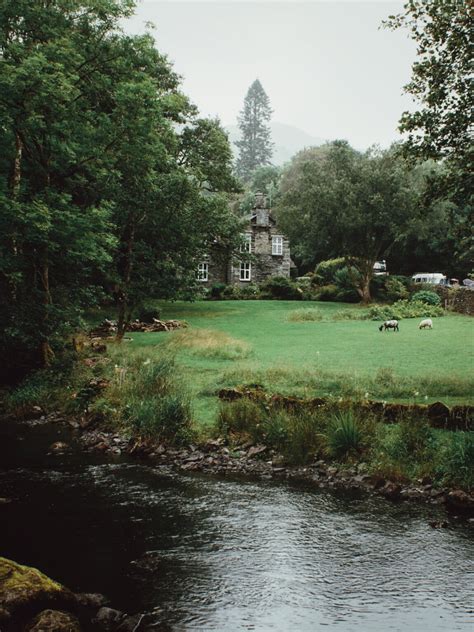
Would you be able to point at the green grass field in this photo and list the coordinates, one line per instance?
(238, 342)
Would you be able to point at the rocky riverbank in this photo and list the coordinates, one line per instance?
(216, 457)
(257, 461)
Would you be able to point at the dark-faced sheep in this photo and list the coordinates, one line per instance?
(389, 324)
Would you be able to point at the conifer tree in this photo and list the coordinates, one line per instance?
(255, 146)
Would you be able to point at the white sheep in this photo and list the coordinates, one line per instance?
(426, 324)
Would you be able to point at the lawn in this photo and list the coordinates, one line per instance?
(235, 342)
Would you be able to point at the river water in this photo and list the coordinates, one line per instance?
(202, 553)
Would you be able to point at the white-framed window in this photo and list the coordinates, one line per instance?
(245, 271)
(277, 245)
(247, 245)
(203, 271)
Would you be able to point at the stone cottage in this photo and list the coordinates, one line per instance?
(270, 251)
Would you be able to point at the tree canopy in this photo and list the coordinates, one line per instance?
(441, 127)
(336, 201)
(109, 179)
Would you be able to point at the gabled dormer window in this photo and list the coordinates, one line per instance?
(277, 245)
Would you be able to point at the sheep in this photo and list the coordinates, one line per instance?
(389, 324)
(426, 324)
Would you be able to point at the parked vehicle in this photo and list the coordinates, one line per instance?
(380, 268)
(432, 278)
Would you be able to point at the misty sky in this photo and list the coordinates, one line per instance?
(326, 66)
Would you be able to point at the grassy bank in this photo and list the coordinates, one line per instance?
(164, 385)
(234, 342)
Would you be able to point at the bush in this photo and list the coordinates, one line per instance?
(404, 309)
(426, 296)
(147, 312)
(249, 291)
(325, 271)
(217, 290)
(327, 293)
(280, 288)
(395, 290)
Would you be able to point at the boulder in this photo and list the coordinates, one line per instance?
(54, 621)
(460, 501)
(23, 588)
(391, 490)
(94, 601)
(108, 619)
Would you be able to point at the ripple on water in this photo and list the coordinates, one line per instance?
(211, 554)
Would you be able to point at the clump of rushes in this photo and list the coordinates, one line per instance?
(455, 462)
(243, 417)
(344, 435)
(146, 398)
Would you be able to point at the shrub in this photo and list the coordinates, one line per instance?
(344, 279)
(230, 292)
(327, 293)
(395, 290)
(404, 309)
(344, 435)
(426, 296)
(280, 288)
(249, 291)
(147, 312)
(217, 290)
(325, 271)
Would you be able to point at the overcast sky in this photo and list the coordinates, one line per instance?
(327, 67)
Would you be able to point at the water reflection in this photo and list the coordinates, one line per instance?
(209, 554)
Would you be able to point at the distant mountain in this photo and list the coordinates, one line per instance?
(288, 140)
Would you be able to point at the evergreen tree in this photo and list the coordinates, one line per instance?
(255, 146)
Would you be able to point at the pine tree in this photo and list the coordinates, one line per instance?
(255, 146)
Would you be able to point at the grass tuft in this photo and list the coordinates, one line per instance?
(209, 343)
(305, 315)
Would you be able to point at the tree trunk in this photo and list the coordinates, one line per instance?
(125, 272)
(46, 353)
(364, 291)
(15, 178)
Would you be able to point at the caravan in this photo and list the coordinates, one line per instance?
(432, 278)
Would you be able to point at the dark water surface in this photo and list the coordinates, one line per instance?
(209, 554)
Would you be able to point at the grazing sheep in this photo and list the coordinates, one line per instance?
(426, 324)
(389, 324)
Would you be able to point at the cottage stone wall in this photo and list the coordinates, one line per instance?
(262, 228)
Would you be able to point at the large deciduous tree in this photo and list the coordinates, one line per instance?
(337, 202)
(108, 177)
(255, 146)
(441, 127)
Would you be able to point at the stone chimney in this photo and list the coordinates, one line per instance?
(260, 209)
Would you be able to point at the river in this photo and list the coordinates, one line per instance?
(203, 553)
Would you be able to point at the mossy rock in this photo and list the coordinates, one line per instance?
(26, 590)
(54, 621)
